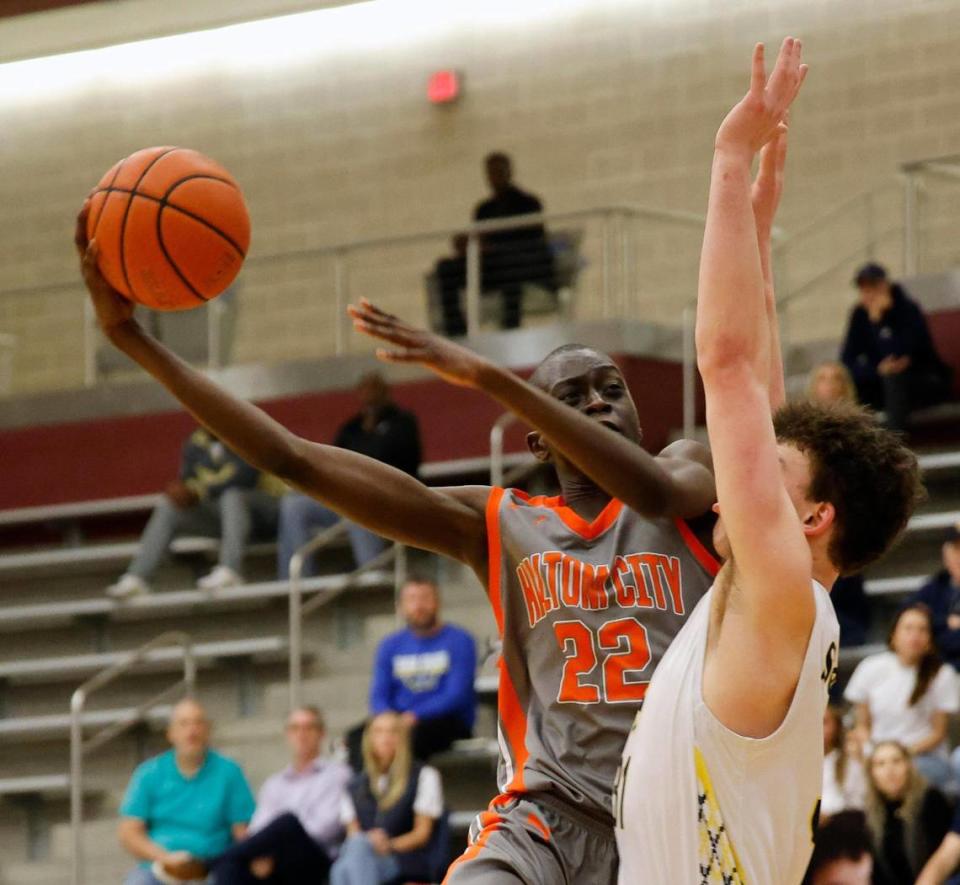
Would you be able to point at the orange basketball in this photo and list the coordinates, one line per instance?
(171, 226)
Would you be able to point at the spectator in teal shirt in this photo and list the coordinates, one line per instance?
(184, 807)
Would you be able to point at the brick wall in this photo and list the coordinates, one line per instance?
(602, 102)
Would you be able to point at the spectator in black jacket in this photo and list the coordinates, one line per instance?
(907, 819)
(381, 430)
(509, 258)
(889, 351)
(941, 594)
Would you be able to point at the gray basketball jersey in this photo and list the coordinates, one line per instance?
(585, 612)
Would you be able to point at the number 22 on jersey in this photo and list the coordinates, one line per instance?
(625, 651)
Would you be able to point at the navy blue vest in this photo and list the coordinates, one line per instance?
(395, 820)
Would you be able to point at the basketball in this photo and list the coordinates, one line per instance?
(172, 228)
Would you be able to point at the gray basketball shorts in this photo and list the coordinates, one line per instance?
(536, 842)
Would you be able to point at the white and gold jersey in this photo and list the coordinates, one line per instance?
(696, 803)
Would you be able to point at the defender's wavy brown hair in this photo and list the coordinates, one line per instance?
(865, 471)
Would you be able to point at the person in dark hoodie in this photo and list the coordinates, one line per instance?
(941, 594)
(889, 351)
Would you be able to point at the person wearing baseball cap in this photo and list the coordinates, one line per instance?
(889, 351)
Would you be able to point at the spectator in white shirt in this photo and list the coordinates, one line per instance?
(391, 811)
(844, 780)
(907, 694)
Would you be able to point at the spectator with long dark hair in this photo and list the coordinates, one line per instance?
(907, 693)
(844, 782)
(907, 817)
(391, 811)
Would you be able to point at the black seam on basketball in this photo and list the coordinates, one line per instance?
(126, 215)
(169, 257)
(198, 218)
(103, 205)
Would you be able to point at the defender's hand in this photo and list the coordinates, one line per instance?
(450, 361)
(761, 113)
(768, 185)
(113, 310)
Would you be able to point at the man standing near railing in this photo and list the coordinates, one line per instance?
(508, 258)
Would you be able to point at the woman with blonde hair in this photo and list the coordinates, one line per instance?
(831, 382)
(390, 810)
(844, 781)
(907, 818)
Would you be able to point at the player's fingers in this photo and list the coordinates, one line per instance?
(758, 73)
(402, 355)
(384, 332)
(80, 229)
(781, 78)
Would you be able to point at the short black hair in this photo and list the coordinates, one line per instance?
(843, 837)
(862, 469)
(539, 376)
(497, 157)
(870, 274)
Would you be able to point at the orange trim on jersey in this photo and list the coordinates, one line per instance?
(494, 556)
(540, 826)
(700, 553)
(513, 719)
(573, 521)
(490, 823)
(512, 716)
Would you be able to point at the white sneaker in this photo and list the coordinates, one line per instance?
(219, 579)
(127, 587)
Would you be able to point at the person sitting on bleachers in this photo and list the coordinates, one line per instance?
(841, 852)
(889, 351)
(425, 673)
(390, 812)
(218, 495)
(907, 694)
(380, 430)
(844, 781)
(508, 258)
(296, 831)
(941, 594)
(830, 382)
(907, 818)
(184, 807)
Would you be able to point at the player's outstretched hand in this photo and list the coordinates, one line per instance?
(761, 113)
(450, 361)
(768, 185)
(113, 310)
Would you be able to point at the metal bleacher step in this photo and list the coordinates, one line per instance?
(57, 725)
(894, 586)
(76, 666)
(46, 785)
(49, 614)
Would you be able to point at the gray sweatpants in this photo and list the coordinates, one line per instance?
(232, 517)
(531, 842)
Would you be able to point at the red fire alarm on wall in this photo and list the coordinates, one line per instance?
(443, 87)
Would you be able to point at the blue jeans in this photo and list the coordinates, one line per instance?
(141, 876)
(233, 517)
(301, 517)
(936, 769)
(359, 864)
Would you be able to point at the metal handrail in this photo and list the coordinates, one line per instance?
(298, 610)
(80, 748)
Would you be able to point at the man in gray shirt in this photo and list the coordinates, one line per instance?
(295, 832)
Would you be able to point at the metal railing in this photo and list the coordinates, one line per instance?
(395, 555)
(8, 346)
(612, 256)
(79, 748)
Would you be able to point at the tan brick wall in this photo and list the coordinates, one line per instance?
(614, 102)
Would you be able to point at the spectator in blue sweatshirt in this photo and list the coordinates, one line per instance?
(889, 351)
(425, 673)
(941, 594)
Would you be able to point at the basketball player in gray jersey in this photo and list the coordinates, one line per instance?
(588, 588)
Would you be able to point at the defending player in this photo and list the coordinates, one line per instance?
(588, 589)
(721, 775)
